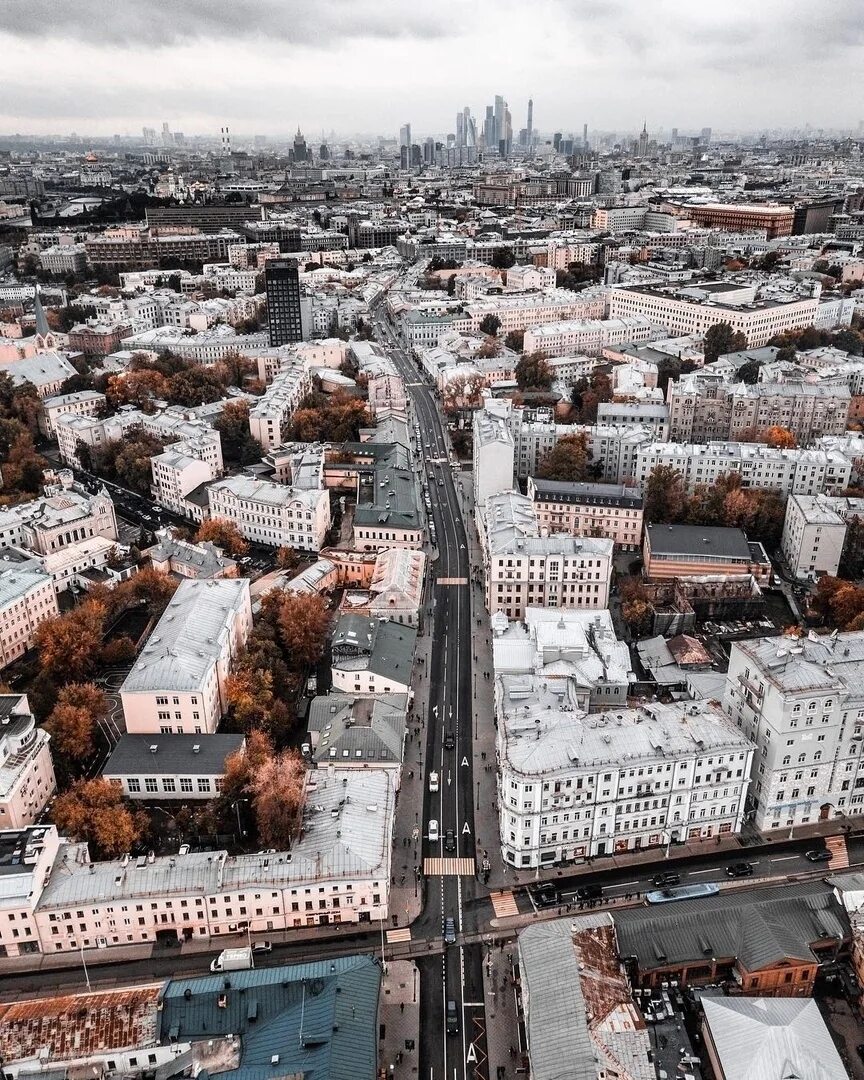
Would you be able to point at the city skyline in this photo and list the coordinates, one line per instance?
(370, 68)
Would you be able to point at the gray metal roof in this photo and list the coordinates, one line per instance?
(707, 540)
(759, 927)
(203, 755)
(187, 640)
(359, 728)
(318, 1020)
(384, 648)
(772, 1039)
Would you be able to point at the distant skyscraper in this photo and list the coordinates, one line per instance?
(300, 151)
(585, 136)
(507, 140)
(416, 156)
(226, 141)
(404, 157)
(642, 150)
(705, 136)
(500, 108)
(429, 151)
(460, 128)
(470, 125)
(556, 141)
(282, 283)
(405, 135)
(530, 125)
(324, 152)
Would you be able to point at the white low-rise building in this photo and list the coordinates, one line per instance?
(494, 451)
(575, 784)
(587, 336)
(814, 531)
(273, 514)
(178, 682)
(801, 701)
(65, 514)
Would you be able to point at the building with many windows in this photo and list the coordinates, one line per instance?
(171, 767)
(178, 682)
(27, 597)
(801, 702)
(26, 770)
(814, 532)
(610, 510)
(575, 784)
(282, 278)
(524, 569)
(678, 551)
(272, 514)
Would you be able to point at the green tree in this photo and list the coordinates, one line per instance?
(238, 443)
(665, 496)
(490, 324)
(533, 372)
(569, 461)
(515, 340)
(852, 559)
(721, 339)
(502, 258)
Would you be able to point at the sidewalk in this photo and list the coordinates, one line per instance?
(502, 1019)
(399, 1019)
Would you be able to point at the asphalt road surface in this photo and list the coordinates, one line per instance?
(457, 974)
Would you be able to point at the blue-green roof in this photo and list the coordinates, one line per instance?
(320, 1019)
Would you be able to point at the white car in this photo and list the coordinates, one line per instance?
(433, 781)
(433, 830)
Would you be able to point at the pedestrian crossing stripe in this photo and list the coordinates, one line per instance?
(451, 581)
(839, 855)
(403, 934)
(504, 903)
(449, 867)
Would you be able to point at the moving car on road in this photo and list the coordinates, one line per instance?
(449, 741)
(433, 830)
(739, 869)
(818, 855)
(449, 931)
(433, 781)
(450, 840)
(664, 880)
(452, 1019)
(545, 894)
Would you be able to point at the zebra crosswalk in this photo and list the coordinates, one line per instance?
(504, 903)
(839, 855)
(449, 867)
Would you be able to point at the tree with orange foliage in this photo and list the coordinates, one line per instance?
(73, 720)
(138, 387)
(69, 644)
(277, 790)
(223, 534)
(303, 621)
(780, 438)
(243, 765)
(250, 695)
(93, 810)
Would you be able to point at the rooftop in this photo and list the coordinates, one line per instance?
(702, 540)
(155, 755)
(189, 638)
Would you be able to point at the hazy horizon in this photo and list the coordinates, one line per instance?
(265, 67)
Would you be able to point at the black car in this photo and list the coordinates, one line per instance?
(545, 895)
(663, 881)
(739, 869)
(449, 741)
(821, 854)
(589, 892)
(450, 840)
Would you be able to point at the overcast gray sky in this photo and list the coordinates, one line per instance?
(265, 66)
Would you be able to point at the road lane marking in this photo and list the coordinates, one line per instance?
(708, 870)
(785, 858)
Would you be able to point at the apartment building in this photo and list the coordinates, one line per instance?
(387, 514)
(801, 701)
(742, 217)
(814, 532)
(272, 514)
(641, 414)
(26, 770)
(573, 653)
(27, 598)
(533, 309)
(589, 336)
(525, 569)
(613, 511)
(387, 393)
(178, 682)
(792, 471)
(81, 403)
(494, 451)
(573, 785)
(270, 416)
(706, 406)
(338, 871)
(695, 309)
(175, 476)
(206, 347)
(677, 551)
